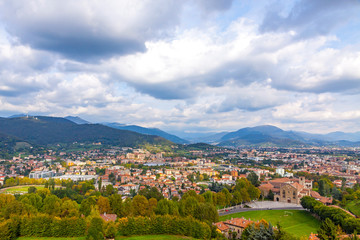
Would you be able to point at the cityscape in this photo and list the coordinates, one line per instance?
(170, 119)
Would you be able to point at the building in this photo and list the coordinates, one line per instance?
(234, 225)
(280, 171)
(42, 174)
(286, 189)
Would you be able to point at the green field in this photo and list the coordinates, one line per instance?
(155, 237)
(19, 189)
(145, 237)
(51, 238)
(297, 222)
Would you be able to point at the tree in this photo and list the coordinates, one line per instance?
(228, 196)
(206, 212)
(220, 199)
(152, 205)
(254, 192)
(151, 193)
(189, 206)
(237, 198)
(104, 205)
(109, 190)
(208, 196)
(69, 208)
(99, 184)
(32, 189)
(139, 205)
(5, 199)
(328, 230)
(86, 204)
(96, 229)
(116, 205)
(253, 179)
(52, 205)
(112, 177)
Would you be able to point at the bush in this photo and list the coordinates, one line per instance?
(348, 223)
(164, 225)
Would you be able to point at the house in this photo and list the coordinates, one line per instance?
(108, 217)
(234, 225)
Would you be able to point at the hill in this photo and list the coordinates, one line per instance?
(77, 120)
(297, 222)
(262, 136)
(271, 136)
(52, 130)
(148, 131)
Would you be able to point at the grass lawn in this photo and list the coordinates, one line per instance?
(354, 207)
(143, 237)
(51, 238)
(22, 189)
(297, 222)
(155, 237)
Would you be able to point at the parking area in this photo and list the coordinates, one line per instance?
(272, 204)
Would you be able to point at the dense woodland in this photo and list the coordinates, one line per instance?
(74, 210)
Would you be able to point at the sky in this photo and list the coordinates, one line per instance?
(184, 65)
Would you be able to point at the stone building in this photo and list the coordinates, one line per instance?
(286, 189)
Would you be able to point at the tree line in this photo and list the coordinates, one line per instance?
(347, 222)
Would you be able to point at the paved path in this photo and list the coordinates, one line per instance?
(258, 205)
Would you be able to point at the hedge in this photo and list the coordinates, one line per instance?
(47, 226)
(347, 222)
(164, 225)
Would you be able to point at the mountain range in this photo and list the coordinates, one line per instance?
(44, 131)
(271, 136)
(51, 130)
(148, 131)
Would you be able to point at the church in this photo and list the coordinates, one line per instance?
(289, 190)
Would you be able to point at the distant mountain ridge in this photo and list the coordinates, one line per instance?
(147, 131)
(271, 136)
(52, 130)
(77, 120)
(76, 129)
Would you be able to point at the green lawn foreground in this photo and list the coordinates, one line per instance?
(143, 237)
(51, 238)
(297, 222)
(155, 237)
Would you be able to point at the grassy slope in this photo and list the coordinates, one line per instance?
(51, 238)
(145, 237)
(299, 223)
(155, 237)
(354, 207)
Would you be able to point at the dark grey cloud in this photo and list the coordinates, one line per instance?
(311, 17)
(84, 47)
(86, 31)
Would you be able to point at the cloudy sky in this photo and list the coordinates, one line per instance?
(194, 65)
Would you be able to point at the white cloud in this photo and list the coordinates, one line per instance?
(159, 73)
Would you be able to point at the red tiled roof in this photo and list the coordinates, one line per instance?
(239, 222)
(108, 217)
(222, 226)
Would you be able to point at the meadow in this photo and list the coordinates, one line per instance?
(20, 189)
(297, 222)
(144, 237)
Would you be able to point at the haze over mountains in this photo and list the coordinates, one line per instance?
(51, 130)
